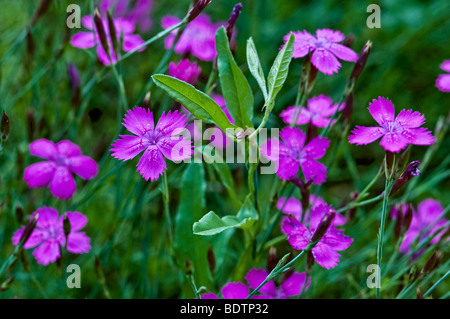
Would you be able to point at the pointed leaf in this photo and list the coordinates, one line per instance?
(255, 67)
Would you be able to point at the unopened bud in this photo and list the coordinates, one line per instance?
(272, 259)
(19, 214)
(361, 61)
(4, 127)
(30, 43)
(323, 226)
(24, 260)
(348, 109)
(211, 259)
(431, 263)
(407, 219)
(232, 20)
(74, 79)
(199, 6)
(101, 31)
(67, 227)
(112, 34)
(28, 230)
(5, 285)
(146, 103)
(411, 171)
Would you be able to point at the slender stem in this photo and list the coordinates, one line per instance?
(165, 193)
(436, 284)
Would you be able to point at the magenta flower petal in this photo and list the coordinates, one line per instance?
(78, 243)
(293, 137)
(62, 185)
(83, 166)
(131, 42)
(292, 207)
(330, 35)
(175, 148)
(313, 170)
(234, 290)
(337, 240)
(152, 164)
(445, 65)
(421, 136)
(317, 147)
(83, 40)
(394, 142)
(429, 211)
(139, 121)
(77, 221)
(443, 82)
(68, 149)
(325, 256)
(287, 167)
(382, 110)
(298, 235)
(128, 147)
(48, 217)
(365, 135)
(167, 123)
(47, 252)
(255, 277)
(43, 148)
(209, 295)
(410, 119)
(185, 71)
(304, 42)
(293, 285)
(288, 115)
(36, 238)
(325, 61)
(342, 52)
(39, 174)
(271, 149)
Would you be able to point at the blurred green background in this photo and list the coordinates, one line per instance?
(125, 213)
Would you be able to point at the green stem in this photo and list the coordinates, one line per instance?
(436, 284)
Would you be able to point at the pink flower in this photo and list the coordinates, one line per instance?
(49, 235)
(185, 71)
(232, 290)
(63, 159)
(320, 109)
(156, 142)
(198, 38)
(294, 207)
(291, 154)
(86, 40)
(397, 132)
(291, 287)
(426, 222)
(326, 250)
(139, 14)
(443, 80)
(325, 49)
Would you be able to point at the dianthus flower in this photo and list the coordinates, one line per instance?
(443, 80)
(49, 235)
(86, 40)
(291, 153)
(198, 38)
(63, 159)
(318, 112)
(396, 132)
(157, 142)
(325, 49)
(325, 252)
(185, 71)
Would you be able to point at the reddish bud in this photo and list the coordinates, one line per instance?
(101, 31)
(28, 230)
(232, 20)
(272, 259)
(361, 61)
(199, 6)
(323, 226)
(411, 171)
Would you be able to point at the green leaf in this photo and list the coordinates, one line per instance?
(280, 68)
(211, 224)
(235, 87)
(190, 209)
(198, 103)
(255, 67)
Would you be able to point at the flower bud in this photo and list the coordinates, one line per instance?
(348, 109)
(431, 263)
(211, 259)
(28, 230)
(112, 34)
(146, 103)
(66, 227)
(419, 294)
(188, 268)
(361, 61)
(19, 213)
(407, 218)
(199, 6)
(411, 171)
(232, 20)
(389, 164)
(24, 260)
(101, 31)
(4, 127)
(323, 226)
(309, 263)
(272, 259)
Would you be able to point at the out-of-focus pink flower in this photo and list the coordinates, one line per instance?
(325, 49)
(185, 71)
(291, 287)
(49, 235)
(219, 138)
(291, 153)
(232, 290)
(139, 14)
(326, 250)
(396, 132)
(320, 109)
(425, 222)
(63, 159)
(157, 142)
(86, 40)
(443, 80)
(294, 207)
(198, 38)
